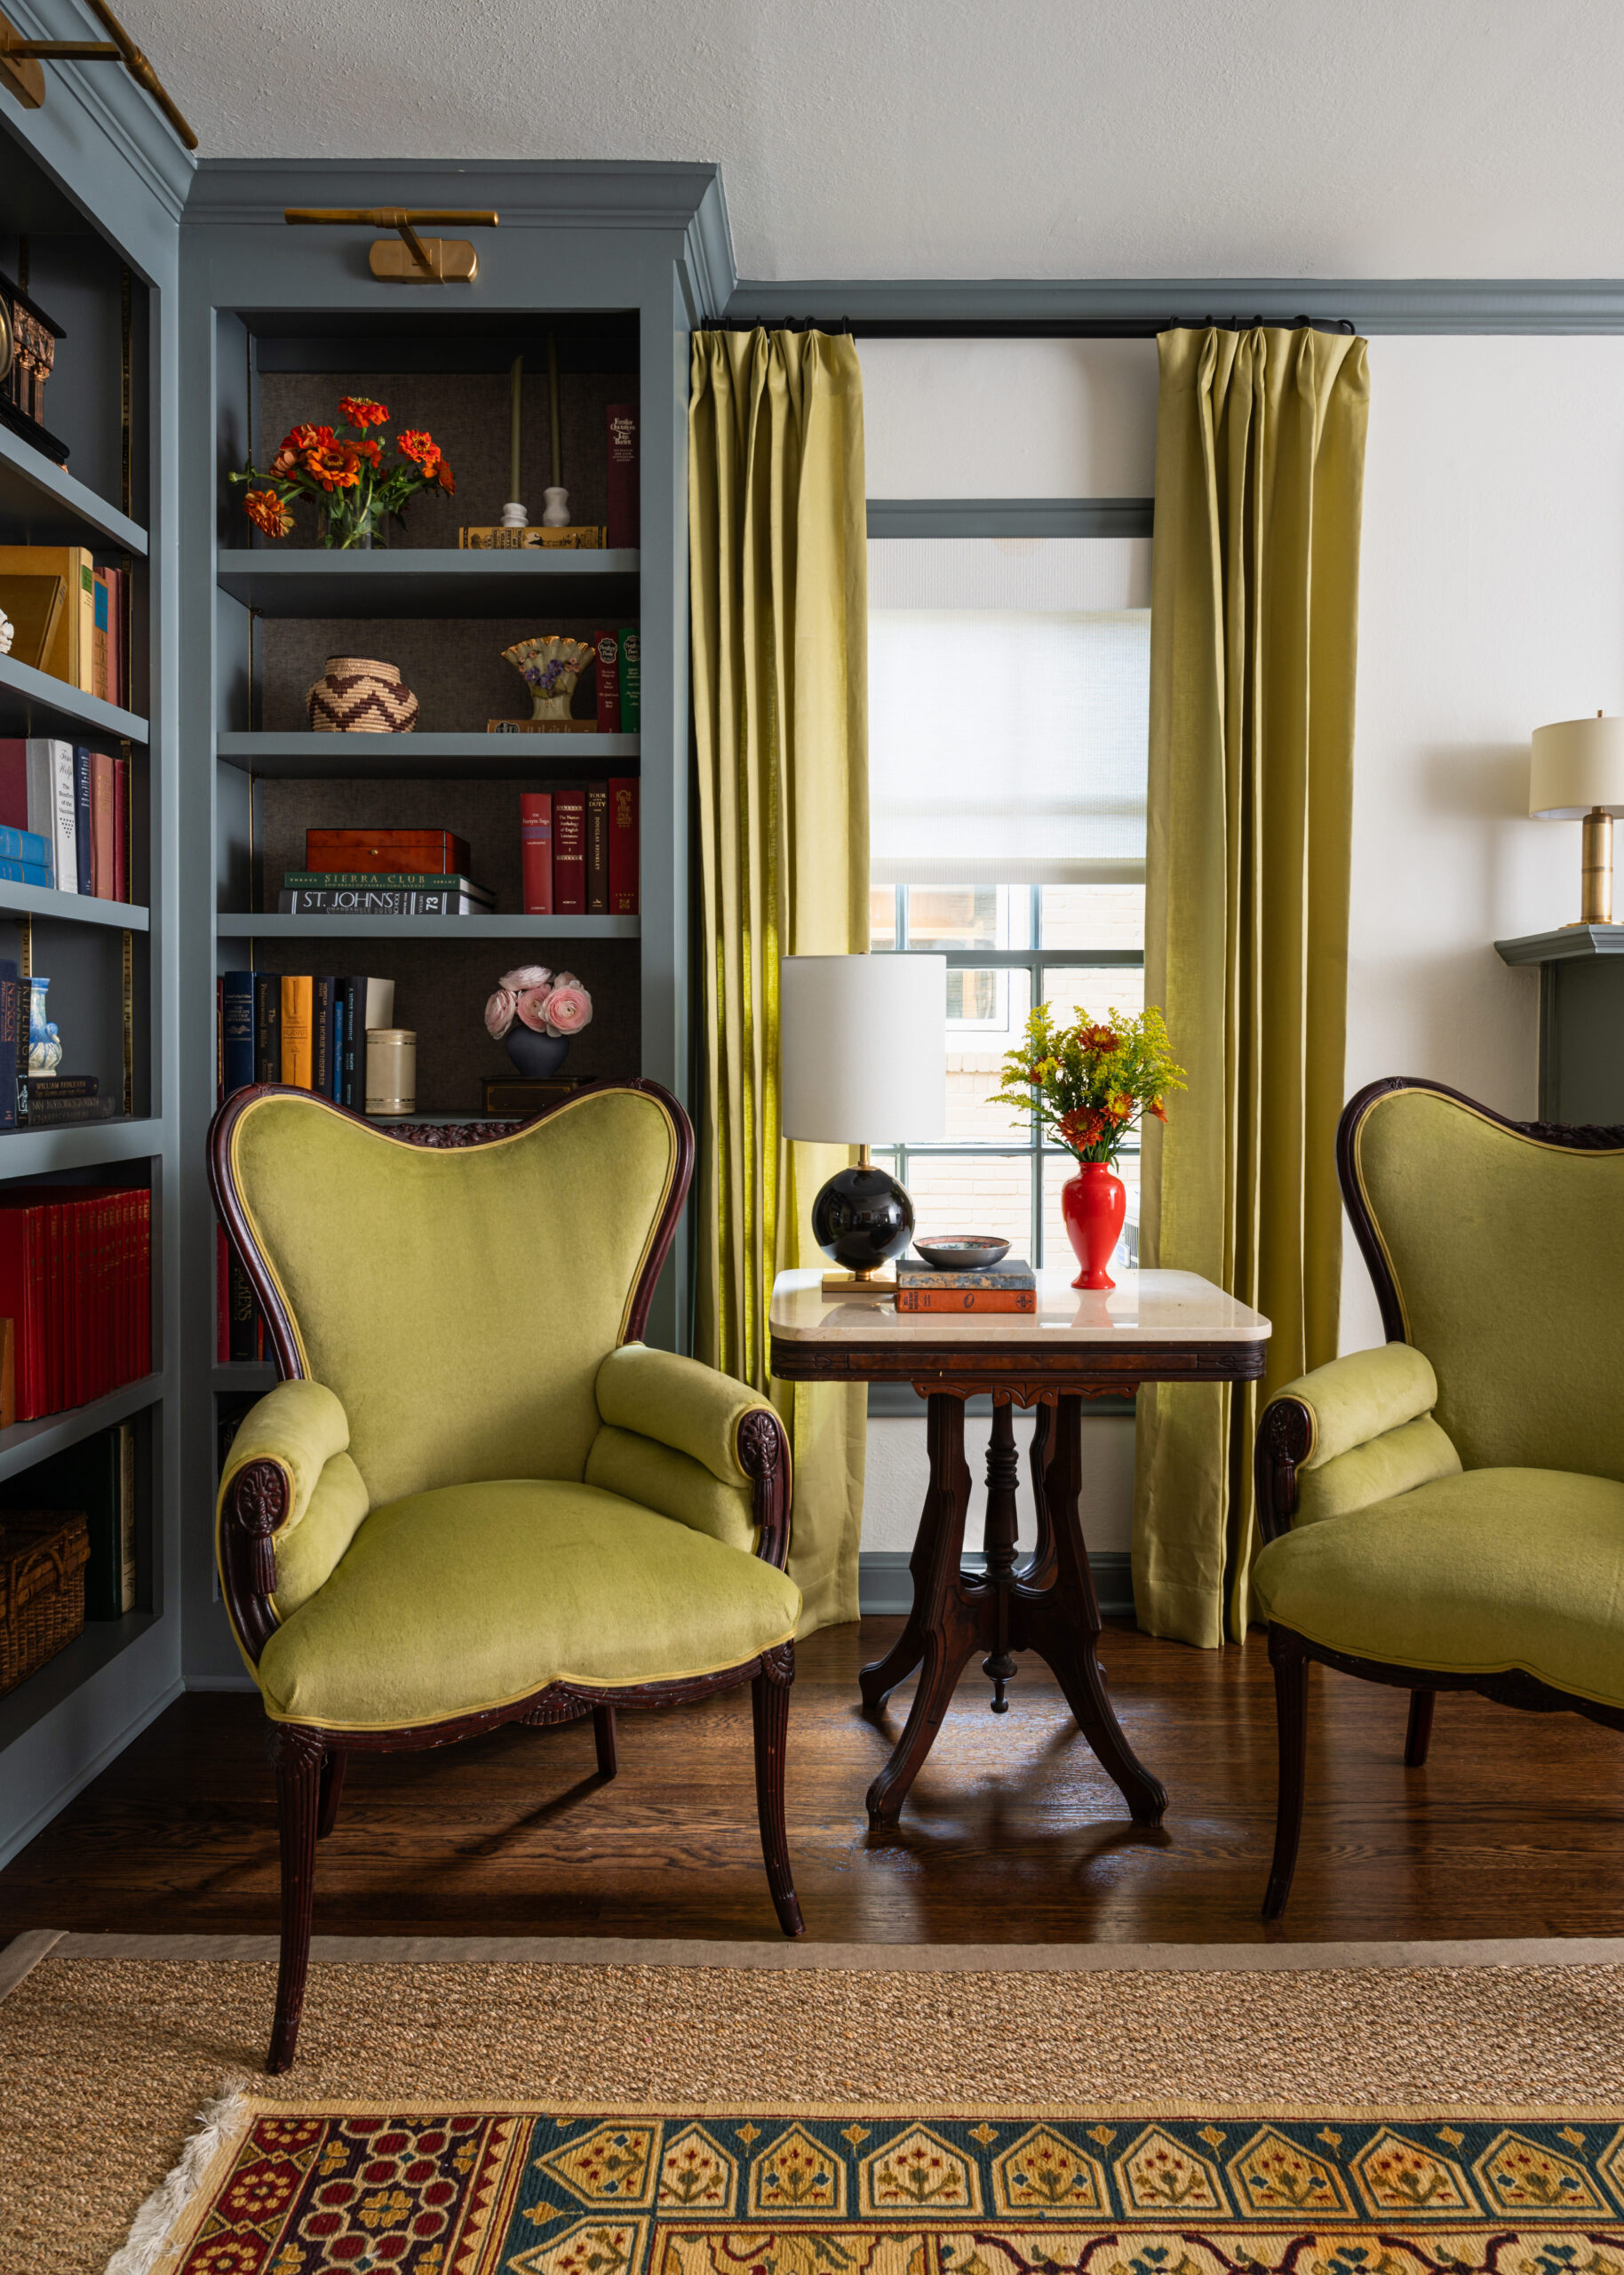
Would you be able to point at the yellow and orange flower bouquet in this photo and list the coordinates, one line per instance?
(344, 469)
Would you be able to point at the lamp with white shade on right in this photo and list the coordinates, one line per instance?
(863, 1061)
(1577, 774)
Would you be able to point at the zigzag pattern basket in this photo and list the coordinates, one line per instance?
(356, 695)
(43, 1556)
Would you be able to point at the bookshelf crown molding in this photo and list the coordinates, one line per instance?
(125, 122)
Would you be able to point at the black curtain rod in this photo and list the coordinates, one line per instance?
(1026, 328)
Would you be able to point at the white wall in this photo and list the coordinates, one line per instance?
(1492, 600)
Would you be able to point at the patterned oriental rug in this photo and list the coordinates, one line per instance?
(282, 2188)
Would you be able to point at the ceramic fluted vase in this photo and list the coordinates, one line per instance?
(549, 668)
(1094, 1205)
(357, 695)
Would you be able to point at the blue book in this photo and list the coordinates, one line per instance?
(82, 819)
(236, 1032)
(26, 845)
(26, 873)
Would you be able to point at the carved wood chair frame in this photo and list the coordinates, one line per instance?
(1284, 1437)
(310, 1762)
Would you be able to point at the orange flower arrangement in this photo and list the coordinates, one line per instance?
(345, 471)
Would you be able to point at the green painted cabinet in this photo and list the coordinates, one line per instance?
(1581, 1019)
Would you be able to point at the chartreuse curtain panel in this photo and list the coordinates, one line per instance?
(777, 561)
(1254, 605)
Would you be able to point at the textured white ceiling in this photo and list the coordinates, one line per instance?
(983, 138)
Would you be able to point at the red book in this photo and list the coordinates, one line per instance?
(622, 509)
(623, 793)
(570, 852)
(102, 825)
(121, 829)
(14, 776)
(141, 1357)
(966, 1299)
(536, 850)
(597, 849)
(21, 1290)
(118, 594)
(608, 647)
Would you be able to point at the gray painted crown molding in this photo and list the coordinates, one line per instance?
(112, 104)
(1143, 305)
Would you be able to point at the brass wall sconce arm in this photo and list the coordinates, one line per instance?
(20, 58)
(415, 259)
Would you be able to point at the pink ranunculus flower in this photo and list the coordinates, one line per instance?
(531, 1005)
(499, 1012)
(528, 975)
(568, 1009)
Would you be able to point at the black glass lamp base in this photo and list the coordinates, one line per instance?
(860, 1220)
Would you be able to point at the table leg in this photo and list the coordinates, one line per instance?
(1062, 1622)
(1040, 1572)
(1003, 1520)
(944, 1625)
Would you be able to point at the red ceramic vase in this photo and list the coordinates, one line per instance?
(1093, 1203)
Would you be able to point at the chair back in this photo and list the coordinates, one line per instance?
(1497, 1248)
(458, 1301)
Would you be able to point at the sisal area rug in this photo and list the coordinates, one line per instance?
(299, 2190)
(742, 2111)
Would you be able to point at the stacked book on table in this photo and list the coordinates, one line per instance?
(384, 873)
(1010, 1285)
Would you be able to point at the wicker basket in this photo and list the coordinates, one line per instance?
(43, 1556)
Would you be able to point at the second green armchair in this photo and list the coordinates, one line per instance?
(477, 1497)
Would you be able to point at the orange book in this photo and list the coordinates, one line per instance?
(298, 1059)
(103, 829)
(966, 1299)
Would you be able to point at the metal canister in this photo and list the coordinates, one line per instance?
(391, 1072)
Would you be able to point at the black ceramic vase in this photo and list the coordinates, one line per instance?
(862, 1218)
(535, 1054)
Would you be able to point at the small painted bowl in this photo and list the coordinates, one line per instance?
(962, 1251)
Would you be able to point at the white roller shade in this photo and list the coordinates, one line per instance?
(1008, 709)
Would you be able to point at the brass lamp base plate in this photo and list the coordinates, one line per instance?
(846, 1288)
(452, 260)
(23, 75)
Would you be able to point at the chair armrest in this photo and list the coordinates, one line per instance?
(1326, 1414)
(729, 1429)
(276, 1462)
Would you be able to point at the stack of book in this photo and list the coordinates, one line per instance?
(37, 1101)
(384, 873)
(65, 815)
(578, 849)
(75, 1277)
(1010, 1285)
(72, 619)
(304, 1029)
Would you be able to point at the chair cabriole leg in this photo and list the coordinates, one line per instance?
(1291, 1696)
(769, 1700)
(297, 1757)
(333, 1764)
(603, 1734)
(1418, 1735)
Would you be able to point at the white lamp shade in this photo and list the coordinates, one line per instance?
(1577, 765)
(863, 1048)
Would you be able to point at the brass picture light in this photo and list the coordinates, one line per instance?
(414, 259)
(20, 58)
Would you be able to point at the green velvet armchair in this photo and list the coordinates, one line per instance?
(476, 1496)
(1446, 1512)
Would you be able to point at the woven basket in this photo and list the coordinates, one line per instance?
(43, 1556)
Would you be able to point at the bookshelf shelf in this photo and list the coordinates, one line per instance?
(491, 758)
(33, 703)
(78, 1145)
(71, 907)
(238, 926)
(430, 581)
(46, 506)
(97, 1644)
(27, 1442)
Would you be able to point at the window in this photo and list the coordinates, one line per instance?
(1008, 710)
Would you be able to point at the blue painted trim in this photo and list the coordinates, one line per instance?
(885, 1587)
(1011, 516)
(123, 120)
(529, 192)
(1141, 305)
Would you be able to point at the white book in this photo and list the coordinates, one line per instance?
(62, 832)
(42, 794)
(380, 1003)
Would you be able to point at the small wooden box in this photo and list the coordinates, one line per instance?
(388, 853)
(43, 1556)
(522, 1094)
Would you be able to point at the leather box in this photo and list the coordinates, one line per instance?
(388, 853)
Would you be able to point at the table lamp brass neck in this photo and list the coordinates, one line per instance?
(1595, 868)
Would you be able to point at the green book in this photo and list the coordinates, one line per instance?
(631, 681)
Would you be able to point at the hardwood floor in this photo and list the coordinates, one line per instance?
(1012, 1833)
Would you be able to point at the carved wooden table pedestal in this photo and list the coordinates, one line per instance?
(1155, 1327)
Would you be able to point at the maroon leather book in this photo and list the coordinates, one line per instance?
(622, 512)
(14, 766)
(121, 829)
(597, 849)
(608, 647)
(623, 792)
(570, 852)
(536, 850)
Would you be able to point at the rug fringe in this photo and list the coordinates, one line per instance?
(155, 2230)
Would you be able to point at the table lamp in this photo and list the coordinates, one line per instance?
(1578, 775)
(863, 1061)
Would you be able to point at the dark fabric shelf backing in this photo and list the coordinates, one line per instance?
(440, 992)
(453, 665)
(468, 415)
